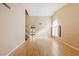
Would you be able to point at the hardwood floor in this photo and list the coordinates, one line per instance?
(44, 47)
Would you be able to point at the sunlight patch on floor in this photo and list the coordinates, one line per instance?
(55, 47)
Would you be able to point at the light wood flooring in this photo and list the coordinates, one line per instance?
(44, 47)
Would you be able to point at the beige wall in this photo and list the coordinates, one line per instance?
(43, 30)
(12, 27)
(68, 18)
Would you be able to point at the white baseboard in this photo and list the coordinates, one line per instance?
(15, 48)
(69, 45)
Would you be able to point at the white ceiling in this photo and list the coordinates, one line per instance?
(42, 9)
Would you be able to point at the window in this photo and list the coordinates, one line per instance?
(55, 27)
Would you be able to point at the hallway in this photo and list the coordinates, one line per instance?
(44, 47)
(29, 29)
